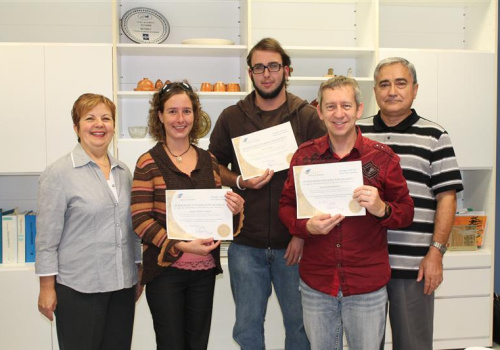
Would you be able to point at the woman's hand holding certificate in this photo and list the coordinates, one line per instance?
(193, 214)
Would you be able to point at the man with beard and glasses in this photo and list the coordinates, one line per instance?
(264, 254)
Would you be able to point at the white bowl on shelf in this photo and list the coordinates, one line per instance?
(137, 132)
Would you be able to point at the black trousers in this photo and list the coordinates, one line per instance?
(181, 306)
(94, 321)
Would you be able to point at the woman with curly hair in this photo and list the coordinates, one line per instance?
(179, 275)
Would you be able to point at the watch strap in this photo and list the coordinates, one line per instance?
(441, 247)
(387, 212)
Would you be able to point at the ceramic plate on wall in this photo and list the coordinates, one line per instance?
(207, 41)
(145, 26)
(206, 124)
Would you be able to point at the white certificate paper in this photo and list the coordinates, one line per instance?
(271, 148)
(328, 189)
(193, 214)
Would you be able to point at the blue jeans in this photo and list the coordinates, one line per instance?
(252, 272)
(362, 317)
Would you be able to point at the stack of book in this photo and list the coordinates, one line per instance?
(17, 237)
(468, 231)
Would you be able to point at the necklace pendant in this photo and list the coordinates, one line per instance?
(179, 159)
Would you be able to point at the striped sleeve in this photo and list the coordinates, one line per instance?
(148, 208)
(445, 173)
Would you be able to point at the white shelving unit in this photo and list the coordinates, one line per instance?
(175, 61)
(452, 43)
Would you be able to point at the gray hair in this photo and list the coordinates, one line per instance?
(337, 82)
(394, 60)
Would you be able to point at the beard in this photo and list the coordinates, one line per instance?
(271, 94)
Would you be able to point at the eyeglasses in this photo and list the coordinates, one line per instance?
(167, 87)
(271, 67)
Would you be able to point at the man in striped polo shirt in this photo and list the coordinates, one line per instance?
(433, 177)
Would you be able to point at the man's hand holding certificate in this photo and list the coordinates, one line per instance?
(271, 148)
(193, 214)
(328, 189)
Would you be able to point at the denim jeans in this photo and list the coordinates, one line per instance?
(362, 317)
(252, 272)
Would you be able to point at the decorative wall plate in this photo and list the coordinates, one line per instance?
(145, 26)
(206, 124)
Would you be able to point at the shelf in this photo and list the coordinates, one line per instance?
(202, 94)
(313, 80)
(430, 50)
(484, 168)
(329, 52)
(476, 259)
(202, 143)
(182, 50)
(17, 267)
(312, 1)
(428, 3)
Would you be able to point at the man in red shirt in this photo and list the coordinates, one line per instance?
(345, 264)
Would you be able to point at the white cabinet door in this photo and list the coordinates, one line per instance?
(40, 85)
(70, 71)
(23, 327)
(22, 114)
(466, 106)
(462, 318)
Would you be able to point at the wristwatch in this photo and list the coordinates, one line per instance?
(387, 212)
(441, 247)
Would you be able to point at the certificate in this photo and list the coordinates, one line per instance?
(328, 189)
(193, 214)
(271, 148)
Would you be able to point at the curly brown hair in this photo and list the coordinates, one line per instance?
(156, 127)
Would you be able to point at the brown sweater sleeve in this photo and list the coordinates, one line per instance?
(148, 209)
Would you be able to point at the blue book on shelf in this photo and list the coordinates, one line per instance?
(30, 236)
(1, 258)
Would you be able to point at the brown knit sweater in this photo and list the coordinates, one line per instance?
(153, 173)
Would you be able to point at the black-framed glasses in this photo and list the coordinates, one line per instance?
(167, 87)
(271, 67)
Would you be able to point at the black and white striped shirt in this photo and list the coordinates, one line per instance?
(429, 167)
